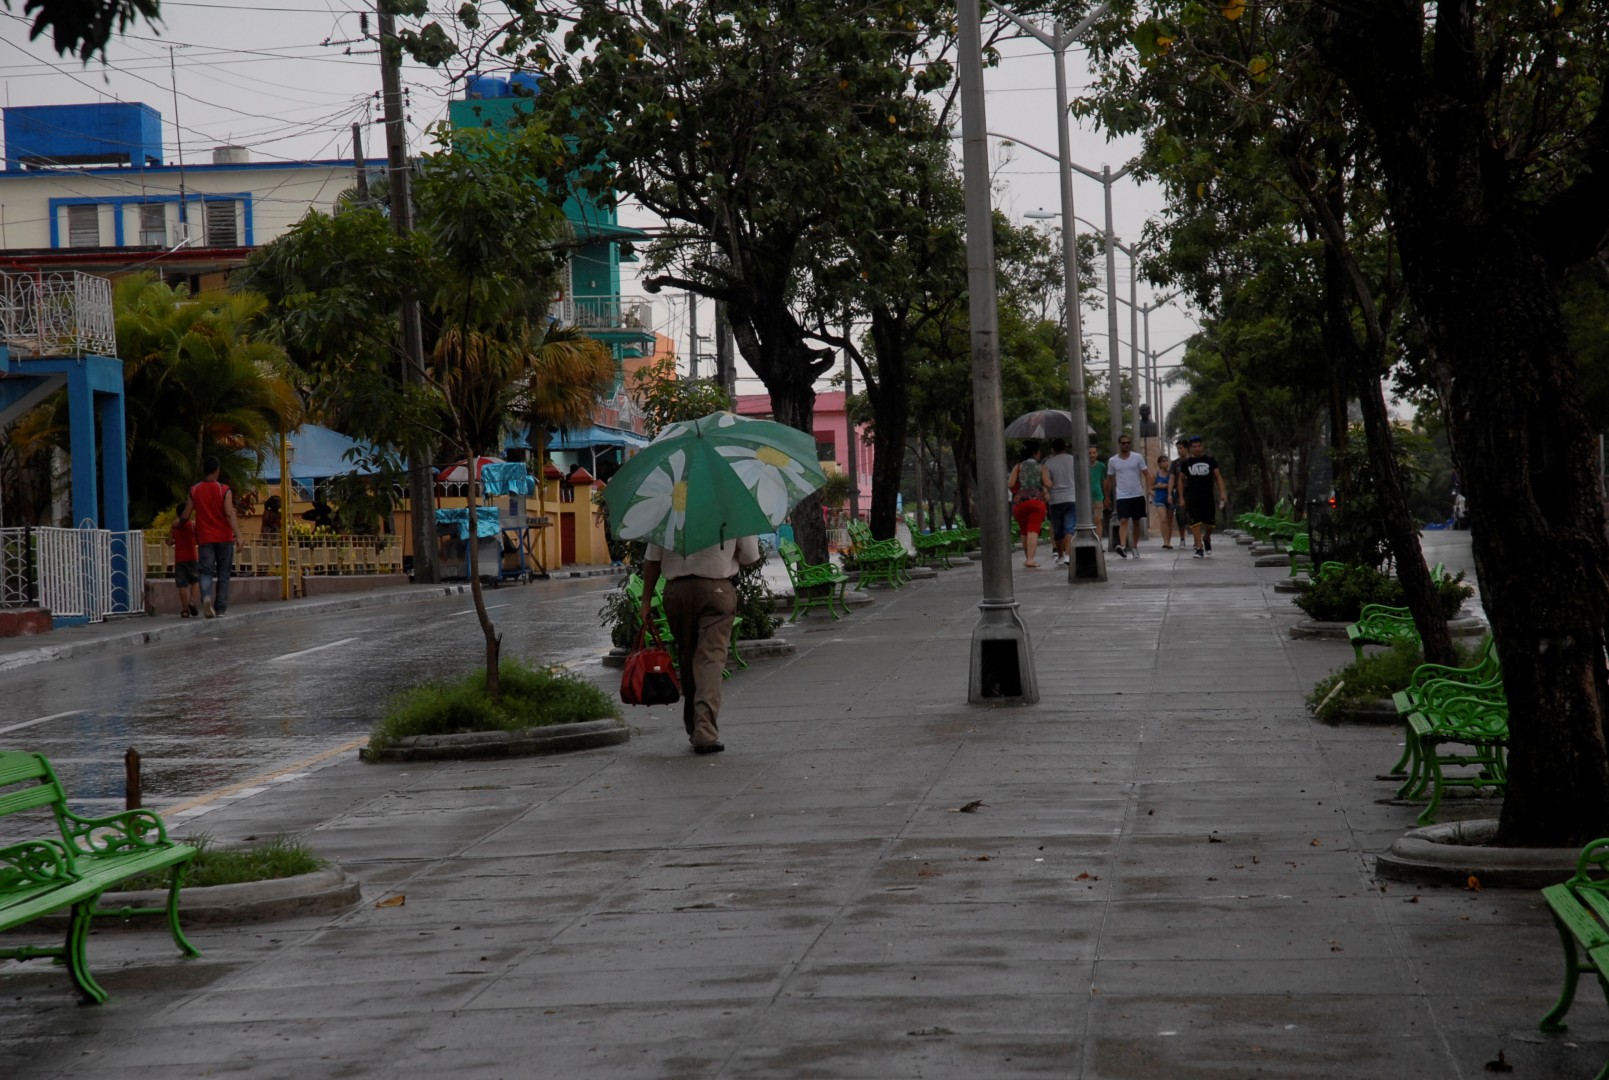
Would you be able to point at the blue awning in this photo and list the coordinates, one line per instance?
(598, 435)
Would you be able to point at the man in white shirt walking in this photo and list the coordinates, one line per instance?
(1127, 480)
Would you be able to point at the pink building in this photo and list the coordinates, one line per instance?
(832, 438)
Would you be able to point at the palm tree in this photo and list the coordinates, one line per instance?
(195, 384)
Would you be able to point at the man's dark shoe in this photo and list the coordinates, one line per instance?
(1121, 553)
(709, 748)
(1200, 554)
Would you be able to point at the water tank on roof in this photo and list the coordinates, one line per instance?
(230, 155)
(485, 86)
(106, 133)
(524, 81)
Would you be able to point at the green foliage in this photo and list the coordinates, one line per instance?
(835, 492)
(1359, 517)
(622, 616)
(531, 698)
(1339, 596)
(1377, 675)
(664, 398)
(756, 605)
(84, 27)
(280, 856)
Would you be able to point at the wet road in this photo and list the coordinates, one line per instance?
(250, 699)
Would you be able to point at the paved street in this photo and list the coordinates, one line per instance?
(1168, 874)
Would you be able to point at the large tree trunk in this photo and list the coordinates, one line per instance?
(1484, 281)
(889, 394)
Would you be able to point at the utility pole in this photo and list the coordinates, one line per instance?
(692, 337)
(1002, 661)
(851, 435)
(357, 163)
(421, 481)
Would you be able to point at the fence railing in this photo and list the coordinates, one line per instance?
(57, 314)
(323, 555)
(88, 574)
(17, 587)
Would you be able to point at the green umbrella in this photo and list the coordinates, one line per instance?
(705, 481)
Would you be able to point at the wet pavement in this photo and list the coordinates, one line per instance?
(1162, 870)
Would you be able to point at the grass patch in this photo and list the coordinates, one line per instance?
(277, 857)
(1376, 676)
(531, 698)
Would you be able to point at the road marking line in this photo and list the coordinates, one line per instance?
(471, 611)
(40, 720)
(265, 778)
(314, 649)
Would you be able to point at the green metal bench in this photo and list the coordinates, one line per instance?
(1432, 683)
(71, 870)
(808, 577)
(1580, 909)
(1301, 547)
(1462, 730)
(933, 547)
(1381, 624)
(877, 560)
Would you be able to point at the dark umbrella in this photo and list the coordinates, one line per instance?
(1043, 424)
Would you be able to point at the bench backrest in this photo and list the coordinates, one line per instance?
(26, 782)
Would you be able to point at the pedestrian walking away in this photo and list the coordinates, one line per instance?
(217, 533)
(1162, 496)
(1181, 516)
(1203, 481)
(186, 569)
(1027, 485)
(1127, 477)
(1061, 482)
(700, 602)
(273, 519)
(1097, 489)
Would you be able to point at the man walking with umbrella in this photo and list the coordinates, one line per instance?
(700, 602)
(699, 495)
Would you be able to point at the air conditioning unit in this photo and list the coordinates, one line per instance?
(181, 232)
(640, 316)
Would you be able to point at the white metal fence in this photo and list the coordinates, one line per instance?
(57, 314)
(75, 574)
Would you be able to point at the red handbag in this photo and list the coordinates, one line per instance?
(650, 677)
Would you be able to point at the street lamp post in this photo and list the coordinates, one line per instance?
(1002, 667)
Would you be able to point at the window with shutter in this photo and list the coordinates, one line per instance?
(153, 225)
(83, 226)
(221, 228)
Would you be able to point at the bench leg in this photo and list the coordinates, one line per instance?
(839, 592)
(173, 911)
(1401, 767)
(76, 952)
(1553, 1021)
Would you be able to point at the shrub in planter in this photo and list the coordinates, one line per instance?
(1339, 596)
(531, 698)
(1376, 676)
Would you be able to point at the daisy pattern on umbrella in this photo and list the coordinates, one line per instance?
(776, 480)
(659, 509)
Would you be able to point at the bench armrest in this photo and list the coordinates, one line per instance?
(1592, 866)
(131, 830)
(34, 862)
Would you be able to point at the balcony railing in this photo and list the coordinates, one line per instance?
(606, 313)
(64, 313)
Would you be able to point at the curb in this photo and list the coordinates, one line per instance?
(1428, 856)
(327, 890)
(1380, 713)
(1468, 626)
(556, 739)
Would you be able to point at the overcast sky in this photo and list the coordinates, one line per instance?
(288, 79)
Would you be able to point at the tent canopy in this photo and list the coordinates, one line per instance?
(318, 454)
(598, 435)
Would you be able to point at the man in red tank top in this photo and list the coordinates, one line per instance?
(217, 532)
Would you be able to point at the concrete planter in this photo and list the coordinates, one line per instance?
(317, 893)
(1463, 626)
(1452, 853)
(557, 739)
(1380, 713)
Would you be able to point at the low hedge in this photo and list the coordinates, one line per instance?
(1339, 596)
